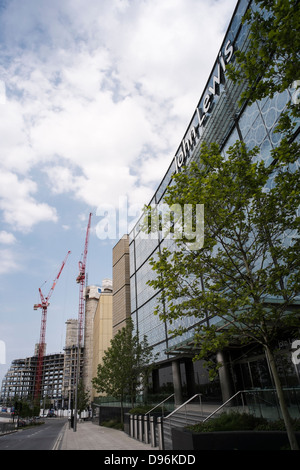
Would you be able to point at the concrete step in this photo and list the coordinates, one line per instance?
(179, 419)
(188, 415)
(182, 419)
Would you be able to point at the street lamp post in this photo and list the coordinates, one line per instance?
(76, 387)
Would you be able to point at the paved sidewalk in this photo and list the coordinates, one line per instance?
(91, 436)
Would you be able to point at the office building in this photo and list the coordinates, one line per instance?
(97, 329)
(70, 363)
(121, 284)
(19, 381)
(102, 327)
(60, 369)
(216, 118)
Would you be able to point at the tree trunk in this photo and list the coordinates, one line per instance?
(282, 402)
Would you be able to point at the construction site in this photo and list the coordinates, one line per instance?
(51, 380)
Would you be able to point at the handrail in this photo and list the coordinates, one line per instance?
(224, 404)
(184, 404)
(156, 406)
(260, 398)
(241, 392)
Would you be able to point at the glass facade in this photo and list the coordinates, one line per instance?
(217, 118)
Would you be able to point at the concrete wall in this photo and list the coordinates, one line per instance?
(102, 333)
(121, 284)
(92, 295)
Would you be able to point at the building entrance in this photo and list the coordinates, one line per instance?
(253, 371)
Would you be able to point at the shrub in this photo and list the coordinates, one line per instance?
(143, 409)
(278, 425)
(240, 422)
(112, 423)
(140, 410)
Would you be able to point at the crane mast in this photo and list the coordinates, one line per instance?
(81, 281)
(41, 347)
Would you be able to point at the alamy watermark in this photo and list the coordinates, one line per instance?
(292, 346)
(155, 222)
(296, 352)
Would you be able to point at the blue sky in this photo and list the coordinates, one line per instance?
(95, 97)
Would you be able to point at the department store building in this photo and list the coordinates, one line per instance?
(216, 118)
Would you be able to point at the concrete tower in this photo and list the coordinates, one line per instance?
(91, 295)
(121, 284)
(102, 326)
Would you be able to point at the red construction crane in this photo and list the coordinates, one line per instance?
(81, 280)
(41, 348)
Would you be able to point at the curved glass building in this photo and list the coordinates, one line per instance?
(216, 118)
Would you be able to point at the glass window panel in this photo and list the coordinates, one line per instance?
(165, 182)
(265, 151)
(132, 294)
(150, 324)
(248, 117)
(144, 291)
(132, 257)
(144, 247)
(231, 141)
(256, 134)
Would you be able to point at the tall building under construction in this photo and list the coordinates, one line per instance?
(60, 369)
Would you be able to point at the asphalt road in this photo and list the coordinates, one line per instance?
(42, 437)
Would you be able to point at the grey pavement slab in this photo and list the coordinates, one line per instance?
(89, 436)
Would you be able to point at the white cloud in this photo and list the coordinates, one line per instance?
(9, 262)
(16, 152)
(99, 95)
(7, 238)
(20, 210)
(62, 179)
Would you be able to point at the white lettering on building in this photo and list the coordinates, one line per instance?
(194, 132)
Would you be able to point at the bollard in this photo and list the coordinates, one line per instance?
(161, 444)
(152, 431)
(140, 418)
(131, 430)
(146, 428)
(135, 426)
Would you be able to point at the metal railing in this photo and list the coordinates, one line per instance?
(259, 402)
(226, 403)
(184, 406)
(160, 404)
(263, 403)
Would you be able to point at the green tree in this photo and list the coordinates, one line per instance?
(25, 409)
(247, 273)
(271, 62)
(126, 366)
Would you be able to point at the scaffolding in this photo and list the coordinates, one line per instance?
(19, 381)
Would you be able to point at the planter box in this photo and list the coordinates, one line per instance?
(230, 440)
(107, 413)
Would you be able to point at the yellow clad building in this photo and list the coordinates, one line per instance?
(102, 327)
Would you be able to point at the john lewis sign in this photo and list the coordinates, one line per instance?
(202, 111)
